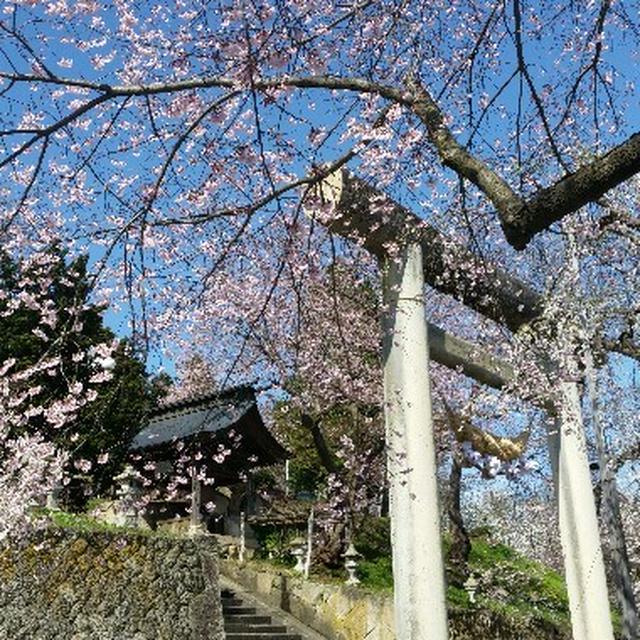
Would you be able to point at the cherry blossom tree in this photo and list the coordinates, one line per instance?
(53, 377)
(195, 377)
(190, 115)
(182, 145)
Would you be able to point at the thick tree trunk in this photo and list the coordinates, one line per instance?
(330, 547)
(589, 183)
(610, 508)
(460, 541)
(522, 219)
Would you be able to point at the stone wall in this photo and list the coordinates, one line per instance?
(341, 612)
(68, 585)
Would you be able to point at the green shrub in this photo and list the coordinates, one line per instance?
(275, 542)
(376, 574)
(373, 538)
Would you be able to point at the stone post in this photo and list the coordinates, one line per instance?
(243, 537)
(577, 517)
(579, 532)
(418, 566)
(610, 510)
(195, 525)
(286, 477)
(309, 551)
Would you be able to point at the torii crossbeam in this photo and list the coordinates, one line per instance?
(419, 587)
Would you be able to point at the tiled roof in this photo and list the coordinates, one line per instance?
(200, 414)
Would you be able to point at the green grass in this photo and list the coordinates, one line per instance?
(376, 574)
(81, 522)
(518, 585)
(84, 523)
(510, 583)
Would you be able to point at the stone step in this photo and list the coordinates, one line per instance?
(238, 610)
(248, 622)
(262, 636)
(254, 628)
(247, 619)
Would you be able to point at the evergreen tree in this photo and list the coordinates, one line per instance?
(56, 321)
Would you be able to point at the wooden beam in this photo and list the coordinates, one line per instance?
(376, 222)
(457, 353)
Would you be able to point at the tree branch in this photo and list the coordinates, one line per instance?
(521, 219)
(326, 458)
(361, 85)
(455, 156)
(624, 345)
(587, 184)
(56, 126)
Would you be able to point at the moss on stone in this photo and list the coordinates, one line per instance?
(107, 583)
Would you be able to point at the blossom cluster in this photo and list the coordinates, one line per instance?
(40, 398)
(492, 466)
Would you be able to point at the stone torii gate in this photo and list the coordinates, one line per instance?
(419, 591)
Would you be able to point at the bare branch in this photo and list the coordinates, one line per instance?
(522, 67)
(25, 44)
(455, 156)
(56, 126)
(521, 219)
(587, 184)
(319, 174)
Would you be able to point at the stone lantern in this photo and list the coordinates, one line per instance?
(53, 498)
(298, 551)
(351, 556)
(128, 493)
(471, 587)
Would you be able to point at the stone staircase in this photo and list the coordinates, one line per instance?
(249, 622)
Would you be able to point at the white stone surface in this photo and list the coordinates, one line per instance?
(579, 533)
(418, 566)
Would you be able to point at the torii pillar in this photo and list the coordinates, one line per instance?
(579, 531)
(418, 565)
